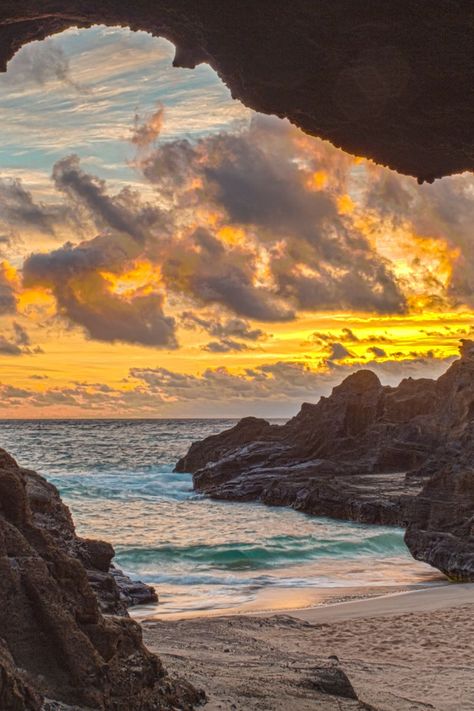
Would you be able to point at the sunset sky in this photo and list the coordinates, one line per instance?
(166, 252)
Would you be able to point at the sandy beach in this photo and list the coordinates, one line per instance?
(405, 651)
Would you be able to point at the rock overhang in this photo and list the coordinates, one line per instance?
(386, 81)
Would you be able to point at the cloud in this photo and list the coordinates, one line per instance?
(77, 277)
(225, 345)
(268, 388)
(277, 381)
(377, 352)
(213, 274)
(438, 221)
(222, 328)
(145, 133)
(18, 342)
(90, 192)
(338, 352)
(18, 209)
(21, 335)
(258, 181)
(259, 224)
(40, 63)
(8, 299)
(8, 347)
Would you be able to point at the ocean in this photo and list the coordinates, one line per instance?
(203, 556)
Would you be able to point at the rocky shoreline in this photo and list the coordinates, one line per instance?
(400, 456)
(66, 639)
(370, 453)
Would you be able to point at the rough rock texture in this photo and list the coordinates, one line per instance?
(115, 590)
(54, 640)
(15, 692)
(389, 81)
(368, 453)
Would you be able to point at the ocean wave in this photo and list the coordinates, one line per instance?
(280, 551)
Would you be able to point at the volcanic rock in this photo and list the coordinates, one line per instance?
(54, 640)
(388, 81)
(114, 589)
(371, 453)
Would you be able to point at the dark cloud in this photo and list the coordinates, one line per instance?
(83, 294)
(259, 187)
(257, 180)
(21, 336)
(224, 328)
(377, 352)
(123, 212)
(338, 352)
(225, 345)
(347, 335)
(9, 347)
(18, 342)
(224, 277)
(8, 300)
(18, 209)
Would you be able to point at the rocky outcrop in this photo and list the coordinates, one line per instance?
(55, 642)
(442, 528)
(115, 590)
(388, 81)
(377, 454)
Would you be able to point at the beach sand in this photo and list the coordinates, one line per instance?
(402, 652)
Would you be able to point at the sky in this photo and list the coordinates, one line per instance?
(167, 252)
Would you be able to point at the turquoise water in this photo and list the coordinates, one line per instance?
(202, 555)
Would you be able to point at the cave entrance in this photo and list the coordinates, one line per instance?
(165, 249)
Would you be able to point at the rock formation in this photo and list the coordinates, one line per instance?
(115, 590)
(377, 454)
(55, 643)
(388, 81)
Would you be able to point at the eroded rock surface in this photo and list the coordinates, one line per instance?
(388, 81)
(54, 640)
(114, 589)
(377, 454)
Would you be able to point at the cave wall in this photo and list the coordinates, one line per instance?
(391, 81)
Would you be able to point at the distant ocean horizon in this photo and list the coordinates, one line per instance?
(116, 475)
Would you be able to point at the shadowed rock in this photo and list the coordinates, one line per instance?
(332, 680)
(388, 81)
(51, 625)
(377, 454)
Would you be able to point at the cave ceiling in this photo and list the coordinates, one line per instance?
(390, 81)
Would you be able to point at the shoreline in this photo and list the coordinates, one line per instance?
(422, 599)
(402, 651)
(291, 600)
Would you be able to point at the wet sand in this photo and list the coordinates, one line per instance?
(402, 652)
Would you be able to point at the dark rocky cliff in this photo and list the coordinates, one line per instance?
(55, 642)
(369, 453)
